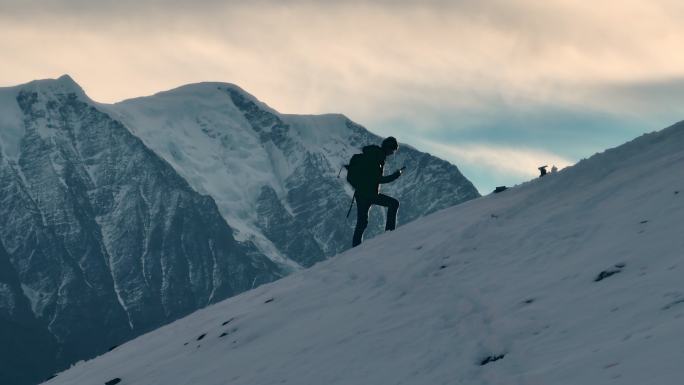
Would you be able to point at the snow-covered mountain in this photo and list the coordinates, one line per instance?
(274, 176)
(111, 225)
(101, 239)
(574, 278)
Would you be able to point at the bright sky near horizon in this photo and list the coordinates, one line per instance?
(497, 87)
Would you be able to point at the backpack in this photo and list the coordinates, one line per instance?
(356, 170)
(357, 174)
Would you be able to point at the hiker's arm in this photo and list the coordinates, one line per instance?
(391, 177)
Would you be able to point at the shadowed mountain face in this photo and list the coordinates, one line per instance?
(27, 347)
(104, 239)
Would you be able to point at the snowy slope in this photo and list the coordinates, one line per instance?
(274, 176)
(575, 278)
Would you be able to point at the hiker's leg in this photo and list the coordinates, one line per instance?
(392, 208)
(362, 207)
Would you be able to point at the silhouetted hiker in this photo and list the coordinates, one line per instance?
(365, 174)
(542, 170)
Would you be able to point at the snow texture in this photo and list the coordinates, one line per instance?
(499, 290)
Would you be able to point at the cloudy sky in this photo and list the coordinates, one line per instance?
(497, 87)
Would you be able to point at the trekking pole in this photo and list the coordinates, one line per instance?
(351, 204)
(338, 174)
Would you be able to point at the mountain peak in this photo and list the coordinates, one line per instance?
(201, 92)
(198, 89)
(67, 81)
(64, 84)
(66, 77)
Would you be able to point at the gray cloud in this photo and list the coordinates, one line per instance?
(662, 97)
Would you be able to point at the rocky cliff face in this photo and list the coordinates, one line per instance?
(28, 349)
(104, 238)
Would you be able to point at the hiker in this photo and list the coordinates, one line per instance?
(365, 173)
(542, 170)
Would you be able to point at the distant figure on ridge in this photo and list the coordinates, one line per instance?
(542, 171)
(365, 174)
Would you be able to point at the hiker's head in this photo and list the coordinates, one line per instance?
(390, 145)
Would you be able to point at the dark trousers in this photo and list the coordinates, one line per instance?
(362, 207)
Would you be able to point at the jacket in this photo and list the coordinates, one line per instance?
(376, 166)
